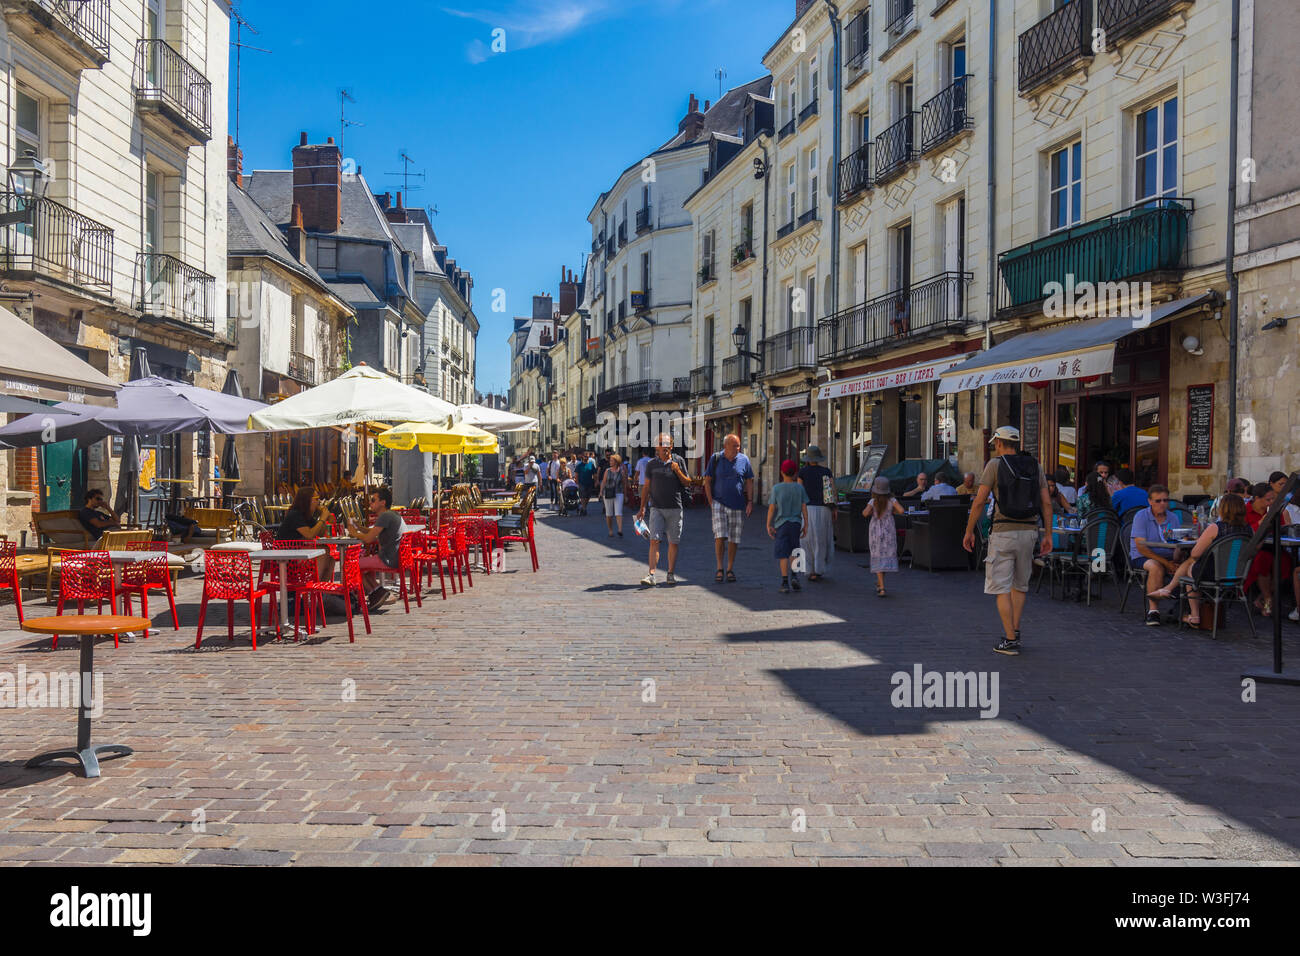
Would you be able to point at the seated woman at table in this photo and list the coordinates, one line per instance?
(1277, 481)
(1261, 568)
(304, 521)
(1232, 519)
(1094, 495)
(1060, 503)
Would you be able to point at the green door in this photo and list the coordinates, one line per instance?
(57, 461)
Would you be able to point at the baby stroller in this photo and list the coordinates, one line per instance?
(568, 496)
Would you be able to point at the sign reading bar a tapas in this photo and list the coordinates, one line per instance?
(894, 378)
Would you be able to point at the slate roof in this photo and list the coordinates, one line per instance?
(728, 114)
(251, 232)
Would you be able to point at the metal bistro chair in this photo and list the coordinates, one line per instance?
(9, 573)
(228, 576)
(86, 576)
(1057, 560)
(149, 573)
(351, 584)
(1099, 531)
(1230, 557)
(1125, 573)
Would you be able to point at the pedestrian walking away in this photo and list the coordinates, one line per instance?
(1019, 490)
(882, 534)
(665, 477)
(611, 493)
(787, 522)
(729, 488)
(819, 483)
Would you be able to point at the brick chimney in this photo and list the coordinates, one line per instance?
(693, 122)
(234, 162)
(395, 213)
(568, 293)
(318, 185)
(297, 237)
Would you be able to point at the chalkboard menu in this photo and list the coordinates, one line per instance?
(877, 422)
(1030, 432)
(912, 430)
(1200, 426)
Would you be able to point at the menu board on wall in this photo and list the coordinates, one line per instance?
(877, 422)
(1030, 432)
(912, 430)
(1200, 426)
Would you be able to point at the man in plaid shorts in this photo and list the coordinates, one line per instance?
(729, 486)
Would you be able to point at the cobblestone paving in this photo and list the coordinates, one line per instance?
(510, 725)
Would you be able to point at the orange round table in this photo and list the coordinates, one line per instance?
(87, 627)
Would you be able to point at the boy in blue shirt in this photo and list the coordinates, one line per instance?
(787, 521)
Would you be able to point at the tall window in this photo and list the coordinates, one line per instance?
(1156, 148)
(746, 314)
(645, 272)
(812, 178)
(1066, 196)
(813, 76)
(790, 192)
(809, 297)
(788, 290)
(794, 96)
(901, 240)
(27, 134)
(862, 128)
(747, 224)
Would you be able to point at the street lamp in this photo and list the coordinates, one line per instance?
(28, 181)
(739, 336)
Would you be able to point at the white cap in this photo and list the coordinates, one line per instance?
(1007, 433)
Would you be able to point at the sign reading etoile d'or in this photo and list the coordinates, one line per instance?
(1077, 365)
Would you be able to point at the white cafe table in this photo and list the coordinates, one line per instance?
(282, 557)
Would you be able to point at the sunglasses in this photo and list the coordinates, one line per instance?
(1159, 501)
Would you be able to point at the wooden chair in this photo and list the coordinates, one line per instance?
(62, 528)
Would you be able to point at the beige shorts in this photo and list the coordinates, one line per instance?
(1010, 561)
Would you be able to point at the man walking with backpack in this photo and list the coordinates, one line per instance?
(1019, 491)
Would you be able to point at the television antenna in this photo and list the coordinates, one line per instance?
(721, 74)
(345, 97)
(406, 173)
(240, 46)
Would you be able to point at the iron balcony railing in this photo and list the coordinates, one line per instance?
(735, 371)
(643, 220)
(783, 231)
(808, 111)
(936, 305)
(945, 115)
(85, 20)
(1140, 240)
(587, 416)
(702, 380)
(629, 393)
(900, 16)
(58, 243)
(168, 83)
(895, 149)
(855, 173)
(786, 130)
(807, 216)
(858, 41)
(789, 351)
(167, 288)
(1055, 44)
(302, 367)
(681, 387)
(595, 246)
(1128, 18)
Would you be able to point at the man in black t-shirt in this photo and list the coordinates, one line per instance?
(665, 477)
(819, 483)
(95, 516)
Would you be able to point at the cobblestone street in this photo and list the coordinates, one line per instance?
(512, 724)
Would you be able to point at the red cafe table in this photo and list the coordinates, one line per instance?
(87, 627)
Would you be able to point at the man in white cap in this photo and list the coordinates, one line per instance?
(532, 472)
(1019, 490)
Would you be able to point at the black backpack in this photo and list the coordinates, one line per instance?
(1018, 495)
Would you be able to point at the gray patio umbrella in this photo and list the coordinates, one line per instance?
(127, 498)
(229, 454)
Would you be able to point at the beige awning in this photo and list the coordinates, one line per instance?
(34, 366)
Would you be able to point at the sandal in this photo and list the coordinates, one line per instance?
(1191, 621)
(880, 592)
(718, 577)
(731, 576)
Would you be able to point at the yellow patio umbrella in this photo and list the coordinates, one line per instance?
(457, 439)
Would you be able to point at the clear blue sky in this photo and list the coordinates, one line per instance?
(516, 145)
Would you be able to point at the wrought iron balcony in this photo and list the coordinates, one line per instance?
(1139, 241)
(167, 288)
(783, 231)
(302, 368)
(168, 85)
(1128, 18)
(74, 33)
(1055, 45)
(629, 393)
(702, 380)
(786, 130)
(895, 149)
(808, 111)
(708, 272)
(643, 220)
(681, 388)
(807, 216)
(789, 351)
(901, 16)
(936, 305)
(857, 47)
(855, 173)
(587, 417)
(735, 371)
(945, 114)
(57, 244)
(741, 253)
(595, 246)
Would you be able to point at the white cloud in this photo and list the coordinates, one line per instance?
(529, 23)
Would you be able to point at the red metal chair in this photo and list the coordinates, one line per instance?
(228, 576)
(481, 534)
(435, 550)
(523, 536)
(460, 551)
(151, 573)
(86, 576)
(351, 583)
(300, 574)
(409, 552)
(9, 573)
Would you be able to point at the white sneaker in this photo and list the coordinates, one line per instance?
(1294, 615)
(671, 578)
(649, 580)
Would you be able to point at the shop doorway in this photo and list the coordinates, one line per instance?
(796, 432)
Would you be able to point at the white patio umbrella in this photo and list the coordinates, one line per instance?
(494, 420)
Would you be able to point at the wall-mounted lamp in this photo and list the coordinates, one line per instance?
(1192, 345)
(28, 181)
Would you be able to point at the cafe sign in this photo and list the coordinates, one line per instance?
(1045, 369)
(894, 378)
